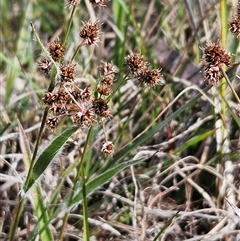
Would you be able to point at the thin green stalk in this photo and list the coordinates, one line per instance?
(29, 174)
(230, 85)
(167, 224)
(80, 173)
(13, 227)
(64, 224)
(224, 23)
(121, 83)
(36, 148)
(69, 24)
(86, 233)
(223, 87)
(77, 50)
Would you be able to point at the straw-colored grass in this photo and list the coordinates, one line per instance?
(174, 172)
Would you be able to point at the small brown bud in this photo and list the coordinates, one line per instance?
(107, 69)
(107, 147)
(84, 118)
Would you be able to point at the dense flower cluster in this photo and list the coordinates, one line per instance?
(90, 32)
(140, 70)
(214, 56)
(57, 50)
(65, 98)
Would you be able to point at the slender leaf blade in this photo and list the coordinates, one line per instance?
(194, 140)
(105, 177)
(48, 155)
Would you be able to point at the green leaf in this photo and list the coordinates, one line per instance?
(48, 155)
(195, 140)
(90, 187)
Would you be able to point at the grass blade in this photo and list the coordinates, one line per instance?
(48, 154)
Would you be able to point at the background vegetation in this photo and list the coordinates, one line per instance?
(176, 147)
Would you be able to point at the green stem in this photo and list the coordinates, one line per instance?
(223, 87)
(223, 17)
(29, 174)
(22, 201)
(60, 236)
(230, 85)
(80, 173)
(69, 24)
(13, 227)
(121, 83)
(77, 50)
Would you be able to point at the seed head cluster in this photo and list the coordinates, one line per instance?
(140, 70)
(65, 98)
(56, 50)
(68, 73)
(235, 23)
(214, 56)
(107, 72)
(90, 32)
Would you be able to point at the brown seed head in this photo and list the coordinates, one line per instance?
(90, 32)
(107, 147)
(49, 98)
(212, 74)
(56, 50)
(151, 77)
(45, 65)
(214, 57)
(107, 69)
(84, 118)
(68, 73)
(107, 80)
(135, 63)
(100, 107)
(82, 95)
(235, 26)
(103, 90)
(214, 54)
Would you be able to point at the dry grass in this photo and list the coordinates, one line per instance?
(173, 164)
